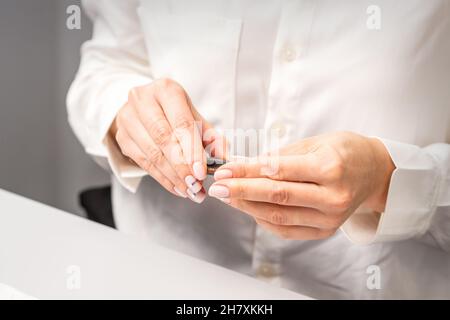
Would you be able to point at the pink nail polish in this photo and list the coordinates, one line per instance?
(223, 174)
(199, 170)
(200, 197)
(196, 187)
(218, 191)
(190, 181)
(196, 197)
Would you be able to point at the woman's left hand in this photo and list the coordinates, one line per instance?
(310, 188)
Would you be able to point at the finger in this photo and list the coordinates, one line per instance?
(280, 215)
(197, 197)
(138, 134)
(296, 232)
(266, 190)
(155, 123)
(176, 106)
(214, 142)
(302, 168)
(133, 128)
(132, 151)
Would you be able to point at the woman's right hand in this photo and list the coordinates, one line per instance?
(159, 130)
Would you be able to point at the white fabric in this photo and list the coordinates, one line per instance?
(307, 67)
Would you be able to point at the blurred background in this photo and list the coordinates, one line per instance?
(40, 157)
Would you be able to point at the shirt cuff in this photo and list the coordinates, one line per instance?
(105, 151)
(410, 203)
(129, 175)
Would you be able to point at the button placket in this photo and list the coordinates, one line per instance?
(288, 53)
(266, 270)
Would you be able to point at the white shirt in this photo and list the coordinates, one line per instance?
(304, 67)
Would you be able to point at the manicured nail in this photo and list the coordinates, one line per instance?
(196, 187)
(190, 181)
(196, 197)
(223, 174)
(218, 191)
(181, 194)
(199, 170)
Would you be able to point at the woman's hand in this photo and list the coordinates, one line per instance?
(310, 188)
(159, 130)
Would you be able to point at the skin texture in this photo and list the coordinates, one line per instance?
(159, 130)
(310, 188)
(306, 190)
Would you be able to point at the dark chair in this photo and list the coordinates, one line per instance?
(98, 205)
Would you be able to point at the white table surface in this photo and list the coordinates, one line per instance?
(39, 244)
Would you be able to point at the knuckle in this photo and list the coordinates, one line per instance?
(343, 201)
(163, 83)
(182, 123)
(160, 132)
(273, 169)
(167, 84)
(277, 217)
(242, 191)
(274, 174)
(154, 155)
(140, 93)
(278, 194)
(338, 169)
(237, 189)
(239, 170)
(136, 93)
(335, 169)
(146, 164)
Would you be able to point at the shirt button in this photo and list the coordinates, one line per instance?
(288, 54)
(278, 129)
(265, 270)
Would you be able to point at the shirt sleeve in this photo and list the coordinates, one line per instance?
(418, 203)
(112, 62)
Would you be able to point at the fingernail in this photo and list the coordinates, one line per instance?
(181, 194)
(223, 174)
(217, 191)
(196, 197)
(190, 181)
(196, 187)
(199, 170)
